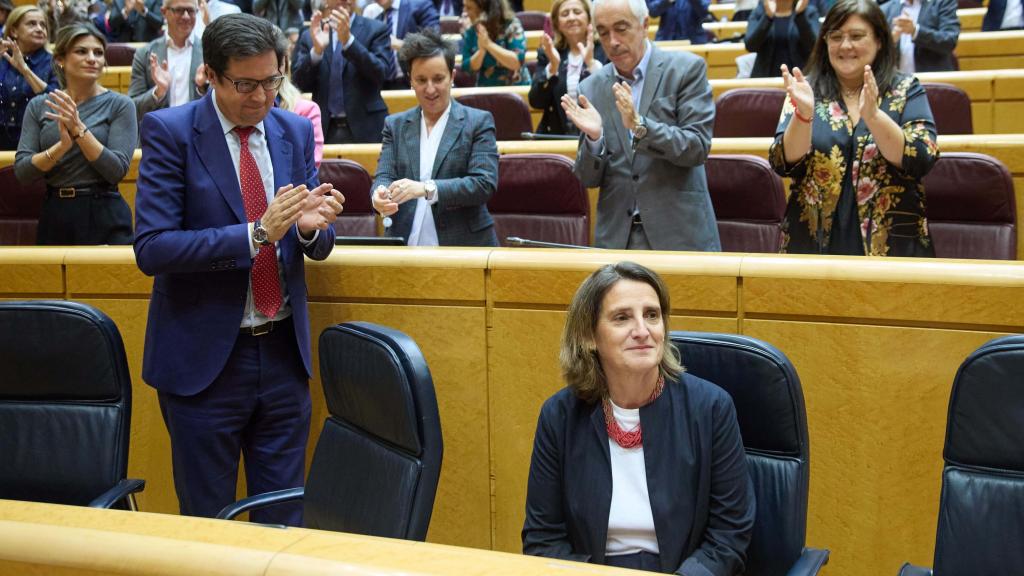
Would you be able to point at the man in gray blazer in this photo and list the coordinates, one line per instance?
(646, 120)
(164, 72)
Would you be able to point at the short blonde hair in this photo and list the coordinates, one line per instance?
(560, 41)
(14, 18)
(580, 363)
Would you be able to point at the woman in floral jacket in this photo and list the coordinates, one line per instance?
(857, 138)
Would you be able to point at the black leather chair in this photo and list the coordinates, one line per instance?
(981, 509)
(770, 408)
(378, 459)
(65, 406)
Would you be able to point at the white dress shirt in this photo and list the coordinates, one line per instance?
(424, 232)
(179, 66)
(630, 519)
(216, 8)
(912, 9)
(1012, 16)
(573, 71)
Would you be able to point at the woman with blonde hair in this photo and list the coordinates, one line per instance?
(81, 140)
(25, 69)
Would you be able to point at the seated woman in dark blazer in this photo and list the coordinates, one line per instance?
(438, 163)
(563, 62)
(781, 32)
(636, 464)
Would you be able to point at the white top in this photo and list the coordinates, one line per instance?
(179, 66)
(1012, 17)
(906, 46)
(573, 70)
(216, 8)
(630, 520)
(424, 233)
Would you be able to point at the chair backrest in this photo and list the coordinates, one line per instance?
(20, 206)
(981, 509)
(748, 112)
(951, 108)
(450, 25)
(539, 198)
(773, 422)
(120, 54)
(749, 200)
(358, 218)
(65, 402)
(532, 19)
(378, 459)
(510, 112)
(971, 208)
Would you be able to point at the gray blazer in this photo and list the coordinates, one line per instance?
(664, 174)
(465, 171)
(140, 90)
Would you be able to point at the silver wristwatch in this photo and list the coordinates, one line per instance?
(430, 189)
(259, 234)
(639, 128)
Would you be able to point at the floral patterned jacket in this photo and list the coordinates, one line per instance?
(890, 201)
(491, 73)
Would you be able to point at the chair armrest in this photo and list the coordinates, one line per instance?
(121, 490)
(809, 563)
(260, 501)
(909, 569)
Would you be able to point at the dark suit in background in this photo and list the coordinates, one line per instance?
(413, 16)
(284, 14)
(662, 175)
(761, 37)
(465, 171)
(192, 235)
(938, 29)
(141, 88)
(993, 20)
(454, 7)
(135, 27)
(701, 495)
(546, 93)
(367, 63)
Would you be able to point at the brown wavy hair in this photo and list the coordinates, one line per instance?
(819, 69)
(580, 363)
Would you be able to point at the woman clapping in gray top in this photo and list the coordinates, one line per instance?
(81, 140)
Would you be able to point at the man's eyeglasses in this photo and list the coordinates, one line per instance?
(247, 86)
(836, 37)
(179, 12)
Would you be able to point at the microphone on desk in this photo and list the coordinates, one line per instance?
(517, 241)
(538, 136)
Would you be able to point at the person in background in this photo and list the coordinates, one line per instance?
(781, 32)
(563, 62)
(164, 72)
(680, 19)
(1003, 15)
(448, 8)
(636, 463)
(135, 20)
(403, 17)
(60, 13)
(289, 98)
(494, 45)
(646, 123)
(81, 140)
(284, 14)
(5, 10)
(925, 33)
(25, 70)
(343, 59)
(438, 164)
(210, 10)
(857, 137)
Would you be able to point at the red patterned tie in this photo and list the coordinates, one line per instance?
(266, 287)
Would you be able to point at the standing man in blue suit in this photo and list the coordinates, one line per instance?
(227, 205)
(402, 17)
(344, 59)
(680, 19)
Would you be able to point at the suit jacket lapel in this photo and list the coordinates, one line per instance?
(601, 488)
(214, 154)
(456, 120)
(609, 80)
(281, 159)
(411, 136)
(652, 82)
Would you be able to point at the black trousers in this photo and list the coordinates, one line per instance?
(638, 561)
(91, 218)
(339, 132)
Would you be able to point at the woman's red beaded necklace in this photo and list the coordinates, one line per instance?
(634, 437)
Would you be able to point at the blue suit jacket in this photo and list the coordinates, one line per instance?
(368, 62)
(702, 498)
(938, 29)
(191, 233)
(415, 15)
(680, 20)
(465, 170)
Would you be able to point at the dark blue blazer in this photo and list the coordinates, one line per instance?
(701, 494)
(465, 171)
(938, 29)
(993, 20)
(680, 19)
(415, 15)
(800, 36)
(191, 233)
(368, 62)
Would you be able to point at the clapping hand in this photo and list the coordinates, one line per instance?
(587, 49)
(904, 24)
(554, 60)
(318, 32)
(769, 8)
(12, 53)
(624, 102)
(320, 209)
(869, 96)
(483, 37)
(799, 91)
(801, 5)
(583, 114)
(64, 111)
(160, 75)
(341, 21)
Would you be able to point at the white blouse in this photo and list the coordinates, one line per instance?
(630, 520)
